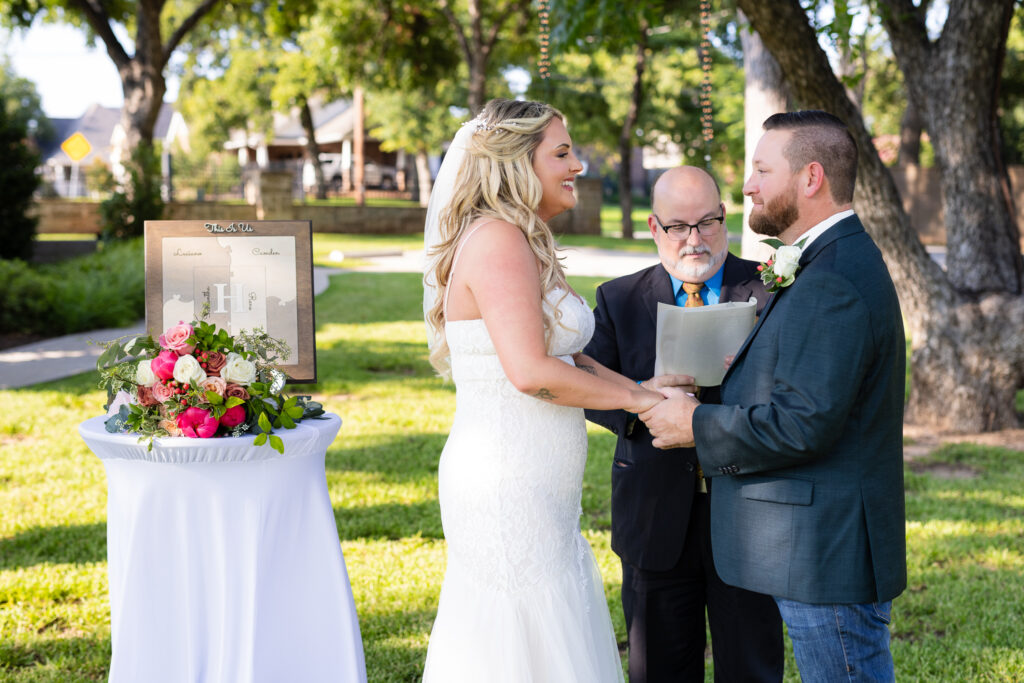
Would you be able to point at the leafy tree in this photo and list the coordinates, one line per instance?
(18, 181)
(967, 351)
(23, 104)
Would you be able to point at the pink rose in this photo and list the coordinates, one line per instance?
(176, 339)
(237, 391)
(215, 384)
(196, 422)
(233, 417)
(163, 365)
(146, 397)
(162, 392)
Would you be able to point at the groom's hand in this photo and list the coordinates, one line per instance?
(661, 383)
(671, 422)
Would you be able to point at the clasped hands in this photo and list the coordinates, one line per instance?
(670, 421)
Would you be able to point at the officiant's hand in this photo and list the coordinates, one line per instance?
(662, 383)
(671, 422)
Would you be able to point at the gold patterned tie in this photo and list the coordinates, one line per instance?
(693, 300)
(692, 290)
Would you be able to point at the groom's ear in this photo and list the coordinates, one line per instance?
(813, 180)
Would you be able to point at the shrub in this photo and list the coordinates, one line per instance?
(17, 183)
(124, 214)
(105, 289)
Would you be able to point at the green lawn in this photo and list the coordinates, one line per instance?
(960, 620)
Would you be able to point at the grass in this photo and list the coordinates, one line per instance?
(960, 619)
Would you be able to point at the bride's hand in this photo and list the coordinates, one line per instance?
(643, 400)
(661, 382)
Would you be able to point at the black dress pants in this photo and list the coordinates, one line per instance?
(665, 618)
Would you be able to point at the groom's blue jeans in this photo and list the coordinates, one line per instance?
(839, 642)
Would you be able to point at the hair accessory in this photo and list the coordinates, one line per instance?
(479, 124)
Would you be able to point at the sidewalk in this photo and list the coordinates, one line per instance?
(71, 355)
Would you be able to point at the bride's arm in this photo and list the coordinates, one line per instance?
(497, 276)
(588, 364)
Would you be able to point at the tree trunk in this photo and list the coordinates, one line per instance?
(765, 93)
(423, 176)
(312, 148)
(911, 127)
(967, 351)
(627, 137)
(358, 145)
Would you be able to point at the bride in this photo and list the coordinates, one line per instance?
(522, 599)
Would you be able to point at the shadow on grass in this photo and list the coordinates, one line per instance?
(74, 544)
(58, 658)
(397, 458)
(390, 521)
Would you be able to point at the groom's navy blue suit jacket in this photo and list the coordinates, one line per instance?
(806, 448)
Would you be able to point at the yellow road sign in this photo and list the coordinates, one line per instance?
(76, 147)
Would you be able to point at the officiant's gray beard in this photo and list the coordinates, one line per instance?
(698, 273)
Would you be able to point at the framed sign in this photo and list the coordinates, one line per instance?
(252, 274)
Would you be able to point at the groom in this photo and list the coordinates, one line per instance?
(660, 508)
(806, 448)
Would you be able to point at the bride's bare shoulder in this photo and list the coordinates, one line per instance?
(495, 236)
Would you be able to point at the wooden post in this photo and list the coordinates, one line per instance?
(358, 159)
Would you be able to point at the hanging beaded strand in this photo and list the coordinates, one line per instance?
(544, 36)
(706, 116)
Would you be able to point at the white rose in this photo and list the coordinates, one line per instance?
(787, 260)
(188, 371)
(238, 370)
(144, 374)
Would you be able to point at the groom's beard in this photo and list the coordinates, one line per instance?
(696, 273)
(776, 215)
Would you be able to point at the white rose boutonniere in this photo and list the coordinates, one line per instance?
(780, 270)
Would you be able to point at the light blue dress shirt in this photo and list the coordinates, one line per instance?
(710, 293)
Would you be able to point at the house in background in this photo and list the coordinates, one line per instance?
(333, 125)
(101, 126)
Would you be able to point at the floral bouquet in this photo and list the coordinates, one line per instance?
(199, 382)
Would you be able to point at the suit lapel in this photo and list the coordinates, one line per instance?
(658, 289)
(847, 226)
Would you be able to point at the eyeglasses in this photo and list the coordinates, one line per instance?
(681, 231)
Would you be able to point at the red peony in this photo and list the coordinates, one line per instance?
(197, 423)
(163, 365)
(233, 417)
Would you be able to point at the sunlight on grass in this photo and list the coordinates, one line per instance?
(960, 618)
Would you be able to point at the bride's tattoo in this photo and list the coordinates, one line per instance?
(544, 394)
(588, 368)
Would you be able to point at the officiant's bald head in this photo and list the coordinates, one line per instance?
(687, 222)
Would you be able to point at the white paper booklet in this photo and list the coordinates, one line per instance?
(695, 341)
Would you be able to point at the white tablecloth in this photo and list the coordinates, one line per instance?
(224, 560)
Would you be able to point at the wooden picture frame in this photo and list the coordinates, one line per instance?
(252, 273)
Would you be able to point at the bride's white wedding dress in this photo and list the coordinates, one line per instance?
(522, 599)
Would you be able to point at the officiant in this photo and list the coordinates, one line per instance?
(660, 498)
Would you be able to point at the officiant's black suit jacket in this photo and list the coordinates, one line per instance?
(652, 489)
(806, 448)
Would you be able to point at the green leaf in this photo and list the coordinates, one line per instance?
(264, 422)
(214, 398)
(234, 401)
(276, 443)
(287, 421)
(773, 242)
(295, 412)
(260, 439)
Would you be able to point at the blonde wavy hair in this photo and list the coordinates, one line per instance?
(497, 181)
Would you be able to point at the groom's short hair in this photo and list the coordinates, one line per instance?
(822, 137)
